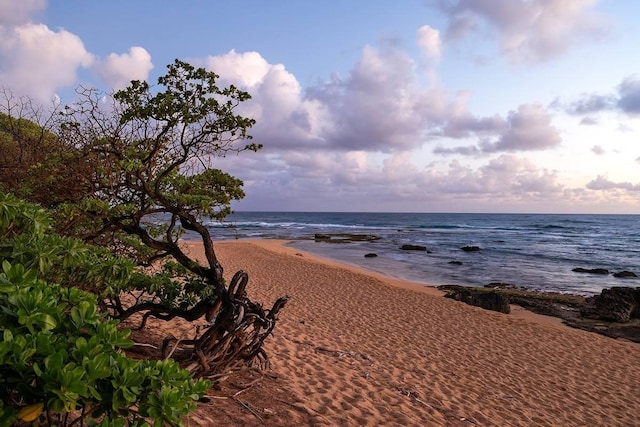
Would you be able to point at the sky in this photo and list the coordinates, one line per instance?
(525, 106)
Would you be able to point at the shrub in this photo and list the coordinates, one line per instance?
(61, 360)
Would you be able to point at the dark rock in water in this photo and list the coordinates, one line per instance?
(625, 274)
(602, 271)
(413, 248)
(618, 304)
(455, 262)
(344, 237)
(371, 255)
(470, 248)
(488, 300)
(500, 285)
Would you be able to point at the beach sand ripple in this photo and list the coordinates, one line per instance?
(355, 349)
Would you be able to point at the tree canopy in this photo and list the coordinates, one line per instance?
(132, 171)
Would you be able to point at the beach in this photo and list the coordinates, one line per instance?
(354, 348)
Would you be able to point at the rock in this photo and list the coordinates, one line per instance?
(371, 255)
(625, 274)
(490, 300)
(455, 262)
(603, 271)
(500, 285)
(470, 248)
(618, 304)
(344, 237)
(413, 248)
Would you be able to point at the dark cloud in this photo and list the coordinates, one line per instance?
(626, 99)
(466, 150)
(591, 103)
(588, 121)
(629, 91)
(602, 183)
(468, 125)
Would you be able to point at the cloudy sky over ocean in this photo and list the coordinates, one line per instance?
(412, 105)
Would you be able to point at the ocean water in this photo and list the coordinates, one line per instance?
(536, 251)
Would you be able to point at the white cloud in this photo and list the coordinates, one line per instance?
(430, 42)
(241, 69)
(37, 61)
(118, 70)
(18, 12)
(529, 31)
(283, 117)
(529, 129)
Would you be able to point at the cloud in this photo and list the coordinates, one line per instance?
(14, 12)
(598, 150)
(333, 181)
(591, 103)
(430, 42)
(602, 183)
(528, 128)
(118, 70)
(284, 118)
(588, 121)
(625, 99)
(529, 31)
(37, 61)
(629, 91)
(378, 107)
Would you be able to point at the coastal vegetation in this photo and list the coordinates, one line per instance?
(125, 175)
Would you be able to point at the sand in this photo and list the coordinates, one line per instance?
(353, 348)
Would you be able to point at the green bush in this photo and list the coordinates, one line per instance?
(61, 360)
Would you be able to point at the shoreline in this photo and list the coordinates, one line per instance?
(516, 310)
(356, 348)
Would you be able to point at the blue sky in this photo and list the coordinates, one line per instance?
(424, 106)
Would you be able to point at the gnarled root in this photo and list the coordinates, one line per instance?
(234, 337)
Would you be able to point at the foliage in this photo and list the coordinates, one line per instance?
(60, 360)
(33, 160)
(142, 162)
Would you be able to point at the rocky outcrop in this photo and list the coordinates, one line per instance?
(489, 300)
(618, 304)
(573, 308)
(344, 237)
(455, 262)
(470, 248)
(625, 274)
(414, 248)
(602, 271)
(370, 255)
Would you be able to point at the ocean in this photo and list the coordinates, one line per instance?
(536, 251)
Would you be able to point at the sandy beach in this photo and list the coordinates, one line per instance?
(354, 348)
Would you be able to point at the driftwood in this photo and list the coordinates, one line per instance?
(234, 335)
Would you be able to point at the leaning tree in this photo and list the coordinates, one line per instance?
(143, 160)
